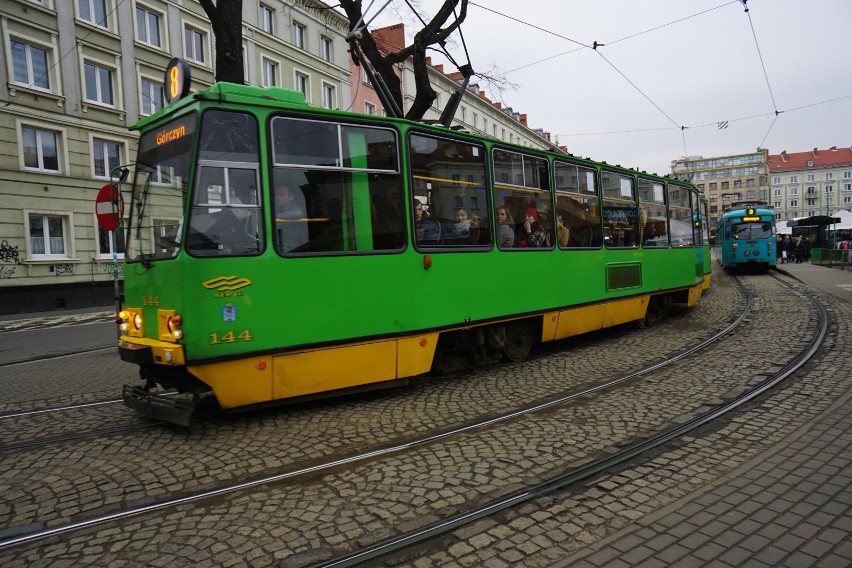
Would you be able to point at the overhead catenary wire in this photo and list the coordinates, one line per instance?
(775, 113)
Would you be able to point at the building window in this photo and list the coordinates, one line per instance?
(829, 176)
(847, 199)
(794, 179)
(811, 190)
(794, 203)
(148, 27)
(794, 191)
(270, 73)
(30, 64)
(776, 193)
(98, 84)
(109, 244)
(48, 235)
(810, 177)
(267, 19)
(301, 83)
(325, 48)
(847, 175)
(750, 182)
(726, 185)
(106, 155)
(40, 149)
(194, 44)
(713, 186)
(369, 108)
(299, 33)
(93, 11)
(328, 96)
(847, 187)
(829, 189)
(152, 97)
(776, 180)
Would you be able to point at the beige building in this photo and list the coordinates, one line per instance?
(76, 75)
(726, 179)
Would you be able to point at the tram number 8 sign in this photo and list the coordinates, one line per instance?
(177, 80)
(109, 207)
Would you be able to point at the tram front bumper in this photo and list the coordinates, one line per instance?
(143, 351)
(166, 407)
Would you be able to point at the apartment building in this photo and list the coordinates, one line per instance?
(726, 179)
(77, 74)
(815, 182)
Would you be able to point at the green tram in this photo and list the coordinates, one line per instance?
(280, 251)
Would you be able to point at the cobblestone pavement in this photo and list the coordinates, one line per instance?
(693, 503)
(304, 523)
(130, 467)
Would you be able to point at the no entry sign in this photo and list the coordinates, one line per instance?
(109, 207)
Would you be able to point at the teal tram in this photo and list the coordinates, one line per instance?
(279, 252)
(745, 237)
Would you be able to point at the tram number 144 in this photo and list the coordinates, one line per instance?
(230, 337)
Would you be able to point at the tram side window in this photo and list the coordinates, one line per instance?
(578, 220)
(652, 214)
(226, 216)
(450, 203)
(522, 198)
(335, 188)
(620, 219)
(680, 216)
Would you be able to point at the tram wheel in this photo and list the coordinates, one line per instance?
(519, 341)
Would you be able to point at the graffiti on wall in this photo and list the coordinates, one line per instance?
(114, 271)
(8, 255)
(62, 269)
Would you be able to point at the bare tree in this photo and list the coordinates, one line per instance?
(446, 21)
(226, 18)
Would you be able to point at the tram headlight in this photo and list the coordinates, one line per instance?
(173, 324)
(131, 321)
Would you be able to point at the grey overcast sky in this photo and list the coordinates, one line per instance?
(665, 64)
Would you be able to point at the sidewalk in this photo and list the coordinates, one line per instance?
(18, 322)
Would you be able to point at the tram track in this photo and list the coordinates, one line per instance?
(574, 476)
(44, 429)
(331, 465)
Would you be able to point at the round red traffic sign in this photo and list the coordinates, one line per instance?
(109, 207)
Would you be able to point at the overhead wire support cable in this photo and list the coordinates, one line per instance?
(760, 56)
(636, 87)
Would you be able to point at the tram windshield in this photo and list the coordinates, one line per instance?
(160, 190)
(761, 230)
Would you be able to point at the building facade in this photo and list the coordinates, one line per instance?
(806, 184)
(726, 179)
(76, 74)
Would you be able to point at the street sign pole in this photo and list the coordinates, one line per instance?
(115, 218)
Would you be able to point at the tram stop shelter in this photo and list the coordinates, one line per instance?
(816, 228)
